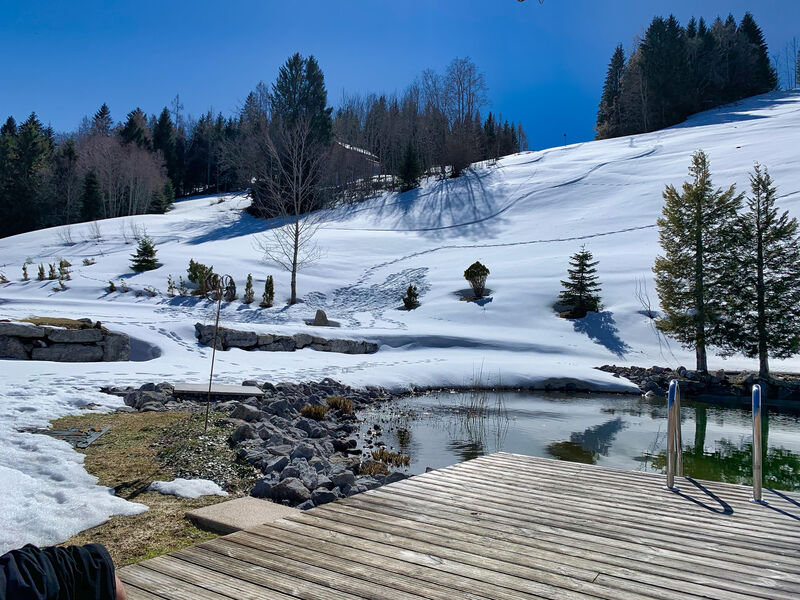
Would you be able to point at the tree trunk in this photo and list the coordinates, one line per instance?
(699, 296)
(761, 323)
(293, 299)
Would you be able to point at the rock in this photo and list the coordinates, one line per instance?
(321, 319)
(303, 451)
(68, 353)
(323, 481)
(281, 450)
(11, 347)
(137, 399)
(291, 490)
(343, 478)
(245, 412)
(395, 477)
(231, 338)
(250, 383)
(152, 407)
(126, 409)
(290, 471)
(368, 483)
(205, 335)
(322, 496)
(279, 344)
(21, 331)
(263, 487)
(280, 408)
(116, 347)
(73, 336)
(306, 505)
(245, 432)
(302, 340)
(274, 465)
(309, 478)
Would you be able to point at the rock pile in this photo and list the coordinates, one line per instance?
(250, 340)
(654, 381)
(303, 462)
(87, 344)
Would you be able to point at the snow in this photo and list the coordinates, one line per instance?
(522, 217)
(187, 488)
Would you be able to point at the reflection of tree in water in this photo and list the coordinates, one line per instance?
(585, 447)
(478, 426)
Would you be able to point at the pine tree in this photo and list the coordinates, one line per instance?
(164, 139)
(101, 122)
(410, 169)
(299, 91)
(764, 279)
(25, 272)
(761, 76)
(136, 130)
(144, 259)
(249, 294)
(269, 293)
(8, 165)
(609, 118)
(581, 289)
(411, 299)
(695, 233)
(92, 207)
(40, 273)
(230, 291)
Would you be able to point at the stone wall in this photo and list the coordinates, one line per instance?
(90, 344)
(250, 340)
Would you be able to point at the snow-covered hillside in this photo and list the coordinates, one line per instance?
(522, 217)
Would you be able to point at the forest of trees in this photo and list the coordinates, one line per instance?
(676, 71)
(106, 169)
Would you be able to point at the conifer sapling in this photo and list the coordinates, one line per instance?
(411, 299)
(476, 274)
(581, 288)
(144, 259)
(269, 293)
(249, 294)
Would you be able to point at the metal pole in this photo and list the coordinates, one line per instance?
(673, 391)
(677, 432)
(757, 468)
(219, 290)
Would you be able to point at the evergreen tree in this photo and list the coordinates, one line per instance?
(411, 299)
(144, 259)
(101, 122)
(609, 118)
(764, 279)
(761, 76)
(165, 141)
(581, 289)
(695, 232)
(410, 169)
(269, 293)
(92, 207)
(299, 91)
(136, 131)
(34, 161)
(249, 294)
(8, 178)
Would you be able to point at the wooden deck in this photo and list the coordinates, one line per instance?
(503, 527)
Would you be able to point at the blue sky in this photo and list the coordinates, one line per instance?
(544, 64)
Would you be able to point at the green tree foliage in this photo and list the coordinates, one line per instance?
(249, 294)
(764, 279)
(269, 293)
(136, 131)
(581, 289)
(299, 91)
(411, 299)
(676, 71)
(229, 294)
(476, 274)
(165, 141)
(144, 259)
(410, 169)
(92, 205)
(696, 235)
(102, 122)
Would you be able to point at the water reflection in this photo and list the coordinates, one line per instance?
(616, 431)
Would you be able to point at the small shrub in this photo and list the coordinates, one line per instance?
(63, 270)
(61, 286)
(411, 299)
(230, 291)
(3, 278)
(198, 272)
(25, 272)
(269, 293)
(40, 275)
(170, 286)
(150, 291)
(476, 274)
(314, 411)
(249, 294)
(111, 287)
(144, 259)
(51, 272)
(372, 468)
(340, 403)
(182, 289)
(391, 458)
(123, 287)
(88, 262)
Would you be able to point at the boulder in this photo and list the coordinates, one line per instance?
(274, 465)
(232, 338)
(245, 412)
(303, 451)
(21, 331)
(322, 496)
(263, 487)
(302, 340)
(68, 353)
(321, 319)
(290, 490)
(74, 336)
(137, 399)
(245, 432)
(279, 344)
(343, 479)
(205, 335)
(116, 347)
(265, 339)
(11, 347)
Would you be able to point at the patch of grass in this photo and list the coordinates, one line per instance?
(371, 468)
(143, 447)
(340, 403)
(391, 458)
(314, 411)
(58, 322)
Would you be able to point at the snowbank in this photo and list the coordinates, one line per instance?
(187, 488)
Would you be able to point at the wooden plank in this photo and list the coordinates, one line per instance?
(164, 586)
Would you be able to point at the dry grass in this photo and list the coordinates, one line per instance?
(340, 403)
(372, 468)
(314, 411)
(391, 458)
(141, 448)
(58, 322)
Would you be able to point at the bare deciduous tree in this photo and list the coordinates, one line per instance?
(290, 167)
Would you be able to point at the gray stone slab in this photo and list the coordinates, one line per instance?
(217, 389)
(242, 513)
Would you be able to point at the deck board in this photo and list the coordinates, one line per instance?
(503, 527)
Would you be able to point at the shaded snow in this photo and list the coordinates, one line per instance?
(522, 217)
(187, 488)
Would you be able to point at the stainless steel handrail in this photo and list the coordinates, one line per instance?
(757, 466)
(674, 442)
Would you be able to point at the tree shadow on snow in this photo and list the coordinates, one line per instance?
(602, 329)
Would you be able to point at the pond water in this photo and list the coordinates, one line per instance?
(628, 432)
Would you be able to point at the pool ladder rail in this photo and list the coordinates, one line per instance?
(674, 446)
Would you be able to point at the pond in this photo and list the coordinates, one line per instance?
(440, 429)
